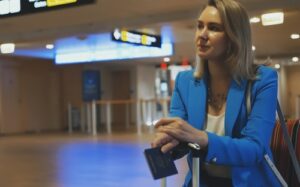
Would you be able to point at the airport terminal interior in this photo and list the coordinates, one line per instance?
(82, 83)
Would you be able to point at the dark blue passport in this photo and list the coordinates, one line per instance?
(161, 164)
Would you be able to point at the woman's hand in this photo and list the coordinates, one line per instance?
(165, 141)
(180, 130)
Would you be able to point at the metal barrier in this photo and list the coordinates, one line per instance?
(146, 114)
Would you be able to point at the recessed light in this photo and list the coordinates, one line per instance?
(49, 46)
(254, 20)
(277, 66)
(274, 18)
(7, 48)
(253, 48)
(295, 59)
(295, 36)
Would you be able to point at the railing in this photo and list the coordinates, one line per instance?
(146, 113)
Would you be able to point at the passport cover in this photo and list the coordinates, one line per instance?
(161, 164)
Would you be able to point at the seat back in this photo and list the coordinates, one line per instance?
(281, 154)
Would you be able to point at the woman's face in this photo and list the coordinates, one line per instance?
(211, 40)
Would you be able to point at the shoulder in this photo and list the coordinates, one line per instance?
(186, 75)
(265, 72)
(266, 77)
(183, 81)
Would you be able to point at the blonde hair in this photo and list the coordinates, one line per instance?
(239, 55)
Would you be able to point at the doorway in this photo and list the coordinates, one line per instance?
(120, 91)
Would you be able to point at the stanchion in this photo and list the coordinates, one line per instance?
(94, 118)
(144, 111)
(153, 115)
(82, 119)
(89, 121)
(138, 120)
(108, 117)
(127, 116)
(70, 129)
(165, 107)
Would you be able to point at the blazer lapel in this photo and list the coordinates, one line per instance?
(233, 104)
(197, 103)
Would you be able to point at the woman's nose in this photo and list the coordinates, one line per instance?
(203, 34)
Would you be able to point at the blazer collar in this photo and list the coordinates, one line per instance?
(234, 102)
(197, 103)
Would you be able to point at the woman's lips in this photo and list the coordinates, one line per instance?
(203, 47)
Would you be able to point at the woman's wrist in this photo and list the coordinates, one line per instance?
(202, 139)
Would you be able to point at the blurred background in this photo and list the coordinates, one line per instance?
(83, 81)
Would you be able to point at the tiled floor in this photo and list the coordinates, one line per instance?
(64, 160)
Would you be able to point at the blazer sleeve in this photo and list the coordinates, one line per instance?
(255, 137)
(177, 107)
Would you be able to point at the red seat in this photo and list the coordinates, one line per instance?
(281, 154)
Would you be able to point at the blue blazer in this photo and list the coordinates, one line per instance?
(247, 138)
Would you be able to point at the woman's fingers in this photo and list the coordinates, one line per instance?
(175, 131)
(186, 134)
(160, 139)
(167, 147)
(181, 131)
(171, 129)
(165, 121)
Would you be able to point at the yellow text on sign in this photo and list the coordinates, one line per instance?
(59, 2)
(124, 36)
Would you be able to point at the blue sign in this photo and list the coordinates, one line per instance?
(91, 85)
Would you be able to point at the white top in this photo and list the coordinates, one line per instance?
(216, 124)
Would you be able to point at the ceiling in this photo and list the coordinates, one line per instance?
(35, 30)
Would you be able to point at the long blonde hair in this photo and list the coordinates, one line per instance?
(239, 55)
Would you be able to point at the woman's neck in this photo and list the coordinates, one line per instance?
(218, 71)
(218, 85)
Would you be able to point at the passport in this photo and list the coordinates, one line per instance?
(161, 164)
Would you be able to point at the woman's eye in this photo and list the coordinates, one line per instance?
(215, 28)
(200, 26)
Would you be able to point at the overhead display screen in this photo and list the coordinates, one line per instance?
(19, 7)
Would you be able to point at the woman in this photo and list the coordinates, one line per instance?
(208, 105)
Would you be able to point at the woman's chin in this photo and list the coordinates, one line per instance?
(202, 55)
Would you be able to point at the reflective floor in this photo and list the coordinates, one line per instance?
(76, 160)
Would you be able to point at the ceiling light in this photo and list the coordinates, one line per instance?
(70, 54)
(274, 18)
(166, 59)
(7, 48)
(253, 48)
(295, 36)
(277, 66)
(255, 20)
(49, 46)
(295, 59)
